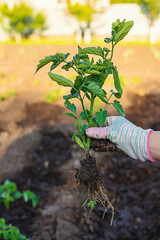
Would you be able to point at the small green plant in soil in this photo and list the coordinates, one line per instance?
(9, 232)
(9, 193)
(91, 74)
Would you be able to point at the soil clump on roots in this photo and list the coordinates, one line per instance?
(90, 183)
(87, 176)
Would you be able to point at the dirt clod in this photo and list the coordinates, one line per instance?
(88, 177)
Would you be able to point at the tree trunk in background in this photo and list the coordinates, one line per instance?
(18, 37)
(87, 35)
(79, 35)
(152, 34)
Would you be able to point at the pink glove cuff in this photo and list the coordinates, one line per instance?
(148, 151)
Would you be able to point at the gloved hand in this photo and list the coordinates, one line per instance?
(132, 140)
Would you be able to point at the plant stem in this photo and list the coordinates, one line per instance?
(83, 106)
(91, 110)
(83, 138)
(112, 51)
(78, 123)
(90, 121)
(107, 102)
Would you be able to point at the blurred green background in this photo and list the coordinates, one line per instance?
(31, 30)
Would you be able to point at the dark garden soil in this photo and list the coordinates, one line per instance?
(133, 188)
(37, 152)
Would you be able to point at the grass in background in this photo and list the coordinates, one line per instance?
(71, 41)
(8, 94)
(1, 75)
(5, 80)
(136, 80)
(36, 82)
(53, 95)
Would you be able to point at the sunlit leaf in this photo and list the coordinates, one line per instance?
(118, 107)
(91, 50)
(60, 80)
(117, 82)
(80, 143)
(70, 115)
(101, 118)
(94, 88)
(124, 31)
(70, 106)
(43, 62)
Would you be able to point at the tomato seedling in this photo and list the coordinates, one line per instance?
(88, 84)
(9, 232)
(9, 193)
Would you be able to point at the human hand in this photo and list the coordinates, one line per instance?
(132, 140)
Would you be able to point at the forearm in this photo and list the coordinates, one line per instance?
(154, 145)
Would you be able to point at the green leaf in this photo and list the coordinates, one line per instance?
(117, 82)
(43, 62)
(74, 135)
(108, 40)
(82, 65)
(34, 201)
(85, 58)
(6, 235)
(80, 143)
(124, 31)
(118, 107)
(92, 204)
(93, 78)
(54, 65)
(94, 88)
(93, 72)
(2, 221)
(83, 130)
(106, 50)
(17, 195)
(101, 118)
(77, 84)
(91, 50)
(28, 195)
(70, 106)
(70, 96)
(60, 80)
(66, 67)
(116, 94)
(83, 116)
(9, 186)
(70, 115)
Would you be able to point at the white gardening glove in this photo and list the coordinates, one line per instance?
(132, 140)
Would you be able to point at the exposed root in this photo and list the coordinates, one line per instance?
(109, 205)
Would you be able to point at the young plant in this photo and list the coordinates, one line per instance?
(9, 193)
(9, 232)
(88, 84)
